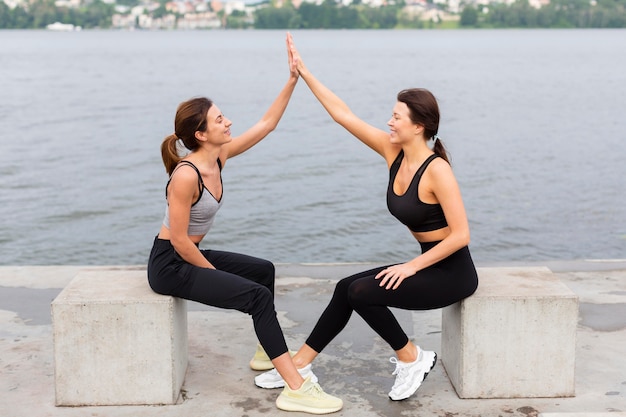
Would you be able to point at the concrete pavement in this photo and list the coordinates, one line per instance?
(354, 367)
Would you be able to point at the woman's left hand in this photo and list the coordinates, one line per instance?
(392, 277)
(293, 63)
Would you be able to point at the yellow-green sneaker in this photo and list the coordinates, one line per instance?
(310, 398)
(260, 361)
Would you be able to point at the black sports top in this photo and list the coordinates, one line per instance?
(413, 213)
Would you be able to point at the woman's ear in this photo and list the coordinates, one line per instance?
(200, 136)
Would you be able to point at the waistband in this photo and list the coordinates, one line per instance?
(426, 246)
(166, 242)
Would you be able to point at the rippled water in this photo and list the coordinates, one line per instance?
(533, 120)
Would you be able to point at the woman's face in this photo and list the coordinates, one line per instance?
(217, 130)
(402, 128)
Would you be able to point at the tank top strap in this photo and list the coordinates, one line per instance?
(195, 169)
(200, 182)
(395, 165)
(425, 164)
(399, 157)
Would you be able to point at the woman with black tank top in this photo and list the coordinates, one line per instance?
(424, 195)
(178, 267)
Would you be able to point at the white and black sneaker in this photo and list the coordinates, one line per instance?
(409, 376)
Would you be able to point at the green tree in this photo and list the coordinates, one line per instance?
(43, 13)
(345, 18)
(96, 14)
(160, 11)
(469, 16)
(5, 16)
(275, 18)
(21, 19)
(385, 17)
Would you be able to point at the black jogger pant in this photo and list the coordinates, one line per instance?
(442, 284)
(239, 282)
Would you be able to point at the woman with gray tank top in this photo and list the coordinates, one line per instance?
(178, 267)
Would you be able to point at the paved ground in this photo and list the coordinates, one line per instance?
(355, 366)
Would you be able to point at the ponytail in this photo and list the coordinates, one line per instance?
(440, 149)
(190, 118)
(169, 153)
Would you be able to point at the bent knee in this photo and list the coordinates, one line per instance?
(262, 297)
(269, 268)
(358, 295)
(343, 287)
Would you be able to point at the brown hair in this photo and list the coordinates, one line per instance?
(190, 118)
(424, 111)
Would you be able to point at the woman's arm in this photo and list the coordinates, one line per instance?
(373, 137)
(181, 193)
(446, 190)
(268, 122)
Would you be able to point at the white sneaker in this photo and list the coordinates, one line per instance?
(309, 398)
(409, 376)
(272, 379)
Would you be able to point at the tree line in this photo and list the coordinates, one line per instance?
(519, 14)
(332, 15)
(557, 14)
(328, 15)
(41, 13)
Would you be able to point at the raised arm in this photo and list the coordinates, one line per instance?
(373, 137)
(268, 122)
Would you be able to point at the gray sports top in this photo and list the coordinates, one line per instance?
(204, 209)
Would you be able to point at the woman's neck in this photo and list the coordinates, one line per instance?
(416, 152)
(204, 156)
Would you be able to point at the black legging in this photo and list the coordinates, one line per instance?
(240, 282)
(437, 286)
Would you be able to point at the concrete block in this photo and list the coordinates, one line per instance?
(116, 342)
(514, 338)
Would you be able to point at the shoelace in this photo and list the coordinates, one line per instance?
(315, 390)
(399, 371)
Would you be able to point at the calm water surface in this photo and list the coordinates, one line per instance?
(534, 122)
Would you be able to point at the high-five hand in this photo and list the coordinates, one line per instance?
(294, 55)
(291, 61)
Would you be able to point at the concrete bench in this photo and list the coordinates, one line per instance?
(514, 338)
(116, 342)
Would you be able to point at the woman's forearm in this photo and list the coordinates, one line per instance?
(190, 252)
(275, 112)
(265, 125)
(336, 107)
(451, 244)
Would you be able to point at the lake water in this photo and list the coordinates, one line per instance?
(533, 119)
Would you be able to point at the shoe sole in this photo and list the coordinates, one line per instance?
(286, 405)
(414, 389)
(261, 365)
(281, 383)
